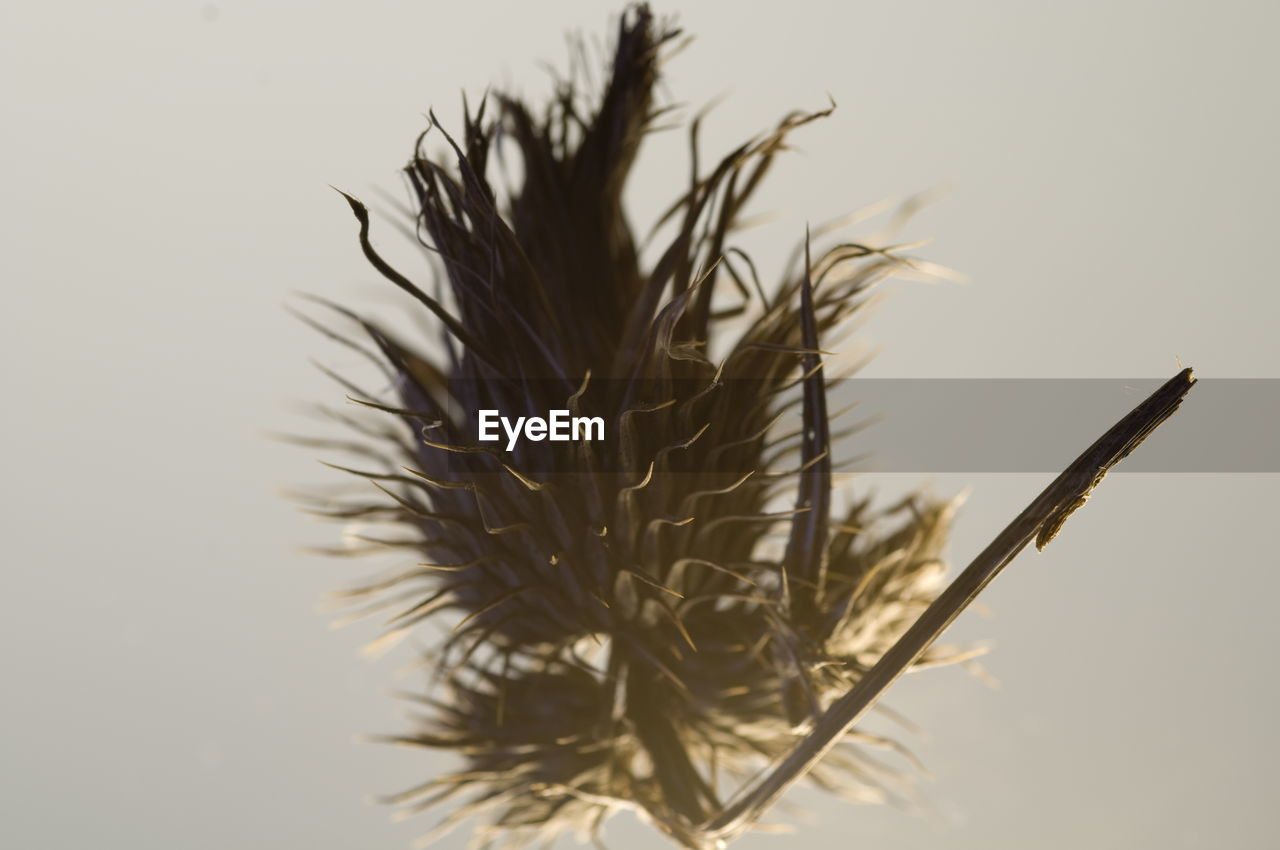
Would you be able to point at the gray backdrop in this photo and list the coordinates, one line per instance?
(167, 680)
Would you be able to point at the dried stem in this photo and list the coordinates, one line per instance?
(1041, 520)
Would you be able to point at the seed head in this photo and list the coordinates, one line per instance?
(637, 621)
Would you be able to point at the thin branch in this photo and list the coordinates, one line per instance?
(1041, 520)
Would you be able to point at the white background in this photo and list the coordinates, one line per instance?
(167, 682)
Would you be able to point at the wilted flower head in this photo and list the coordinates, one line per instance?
(640, 620)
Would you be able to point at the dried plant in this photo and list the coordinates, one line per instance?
(645, 621)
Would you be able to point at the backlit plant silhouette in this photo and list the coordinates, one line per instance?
(642, 622)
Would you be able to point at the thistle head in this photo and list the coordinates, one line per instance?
(633, 621)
